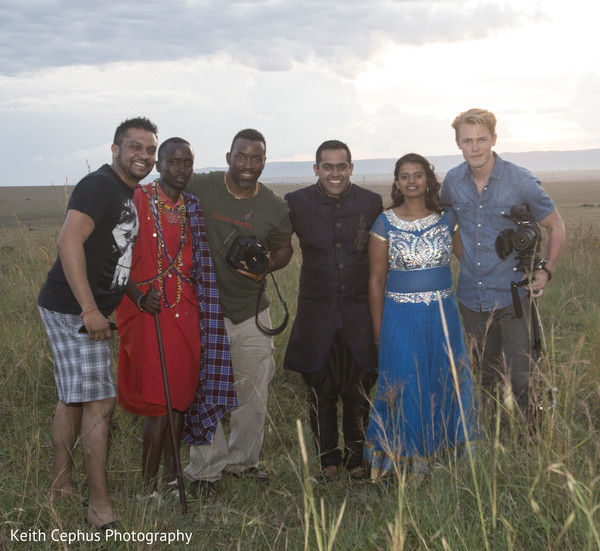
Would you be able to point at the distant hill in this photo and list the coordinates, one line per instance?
(587, 159)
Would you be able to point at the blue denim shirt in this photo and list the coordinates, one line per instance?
(484, 280)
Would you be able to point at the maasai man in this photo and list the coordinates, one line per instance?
(172, 273)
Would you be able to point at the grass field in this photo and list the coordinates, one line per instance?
(521, 492)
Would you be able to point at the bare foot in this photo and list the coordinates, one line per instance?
(62, 493)
(100, 517)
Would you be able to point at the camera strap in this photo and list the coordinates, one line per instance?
(265, 330)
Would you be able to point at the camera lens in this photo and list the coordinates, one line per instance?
(525, 239)
(257, 262)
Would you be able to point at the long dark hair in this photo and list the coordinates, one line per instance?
(432, 194)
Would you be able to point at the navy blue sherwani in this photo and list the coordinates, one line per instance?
(333, 324)
(334, 278)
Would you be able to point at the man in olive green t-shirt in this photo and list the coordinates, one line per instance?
(236, 204)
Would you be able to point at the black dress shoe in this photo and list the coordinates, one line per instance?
(358, 473)
(202, 489)
(328, 474)
(252, 472)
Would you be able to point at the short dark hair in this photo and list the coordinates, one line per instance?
(332, 144)
(163, 146)
(249, 134)
(141, 123)
(432, 195)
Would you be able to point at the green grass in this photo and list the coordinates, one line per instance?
(536, 492)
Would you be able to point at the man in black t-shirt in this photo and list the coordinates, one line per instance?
(83, 287)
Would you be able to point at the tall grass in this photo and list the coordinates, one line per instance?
(520, 491)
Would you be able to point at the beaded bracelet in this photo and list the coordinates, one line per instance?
(542, 266)
(548, 272)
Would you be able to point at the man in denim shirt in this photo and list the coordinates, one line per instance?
(481, 190)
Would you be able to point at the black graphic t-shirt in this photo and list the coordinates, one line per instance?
(104, 197)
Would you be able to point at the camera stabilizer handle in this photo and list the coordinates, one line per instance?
(514, 290)
(535, 321)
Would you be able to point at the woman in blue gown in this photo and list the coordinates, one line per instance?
(416, 411)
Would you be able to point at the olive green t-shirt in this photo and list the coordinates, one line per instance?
(266, 215)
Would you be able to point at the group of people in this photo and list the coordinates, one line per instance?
(375, 305)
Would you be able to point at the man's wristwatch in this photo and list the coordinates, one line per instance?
(542, 266)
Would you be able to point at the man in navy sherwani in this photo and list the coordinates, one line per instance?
(331, 343)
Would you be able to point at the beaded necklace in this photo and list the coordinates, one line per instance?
(173, 264)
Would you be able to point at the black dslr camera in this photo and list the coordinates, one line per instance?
(254, 254)
(250, 250)
(525, 240)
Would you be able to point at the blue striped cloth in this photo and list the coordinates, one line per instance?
(216, 392)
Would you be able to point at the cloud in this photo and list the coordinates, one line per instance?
(66, 117)
(268, 35)
(586, 107)
(385, 76)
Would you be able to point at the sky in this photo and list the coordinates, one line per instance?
(385, 76)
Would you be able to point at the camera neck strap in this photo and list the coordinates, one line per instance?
(266, 330)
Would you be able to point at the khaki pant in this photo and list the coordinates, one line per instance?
(253, 368)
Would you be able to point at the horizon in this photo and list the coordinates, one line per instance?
(273, 169)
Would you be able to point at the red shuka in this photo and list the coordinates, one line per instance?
(140, 383)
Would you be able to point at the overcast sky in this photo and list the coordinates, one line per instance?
(385, 76)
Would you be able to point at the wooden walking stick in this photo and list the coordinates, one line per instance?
(174, 443)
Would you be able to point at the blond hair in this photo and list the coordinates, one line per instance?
(476, 116)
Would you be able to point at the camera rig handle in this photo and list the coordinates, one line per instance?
(535, 321)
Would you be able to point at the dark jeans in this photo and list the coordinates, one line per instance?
(340, 378)
(502, 349)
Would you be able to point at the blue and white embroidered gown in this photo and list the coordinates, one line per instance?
(415, 412)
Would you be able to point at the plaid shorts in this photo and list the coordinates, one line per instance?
(82, 367)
